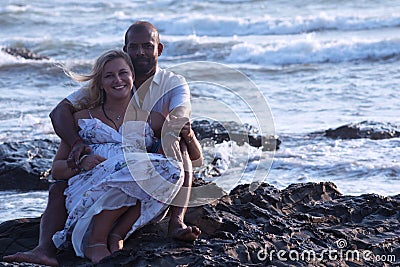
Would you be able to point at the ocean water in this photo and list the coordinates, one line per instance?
(292, 68)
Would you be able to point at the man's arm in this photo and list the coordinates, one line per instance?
(64, 126)
(63, 122)
(179, 123)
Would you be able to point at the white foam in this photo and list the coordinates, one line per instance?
(220, 25)
(7, 59)
(309, 50)
(15, 8)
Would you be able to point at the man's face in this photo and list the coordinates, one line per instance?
(143, 48)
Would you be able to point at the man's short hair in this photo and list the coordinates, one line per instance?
(141, 26)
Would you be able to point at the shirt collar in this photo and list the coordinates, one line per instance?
(157, 76)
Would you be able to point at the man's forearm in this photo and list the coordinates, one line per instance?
(193, 145)
(195, 152)
(63, 122)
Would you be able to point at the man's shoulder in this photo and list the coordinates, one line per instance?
(170, 77)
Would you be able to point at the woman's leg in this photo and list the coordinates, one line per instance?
(122, 227)
(102, 223)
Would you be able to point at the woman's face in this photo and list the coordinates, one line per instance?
(117, 79)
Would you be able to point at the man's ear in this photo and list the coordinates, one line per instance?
(124, 48)
(160, 49)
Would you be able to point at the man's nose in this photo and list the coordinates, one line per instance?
(139, 50)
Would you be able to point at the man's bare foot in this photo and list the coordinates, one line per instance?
(97, 252)
(115, 242)
(36, 255)
(180, 231)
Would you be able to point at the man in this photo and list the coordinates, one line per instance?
(143, 46)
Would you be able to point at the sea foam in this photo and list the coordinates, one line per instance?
(213, 25)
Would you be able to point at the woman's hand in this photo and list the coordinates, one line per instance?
(88, 162)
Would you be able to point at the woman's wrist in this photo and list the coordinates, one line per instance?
(81, 161)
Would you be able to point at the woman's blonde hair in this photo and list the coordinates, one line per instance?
(96, 94)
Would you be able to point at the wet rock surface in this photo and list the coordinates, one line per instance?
(219, 132)
(25, 165)
(364, 129)
(23, 53)
(308, 224)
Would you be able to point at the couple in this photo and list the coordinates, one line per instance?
(104, 202)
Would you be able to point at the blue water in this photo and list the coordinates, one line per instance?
(313, 65)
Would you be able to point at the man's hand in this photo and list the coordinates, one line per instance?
(170, 146)
(170, 136)
(79, 149)
(182, 127)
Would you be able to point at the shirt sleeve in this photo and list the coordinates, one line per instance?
(78, 96)
(180, 97)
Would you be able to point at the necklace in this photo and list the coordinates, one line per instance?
(105, 114)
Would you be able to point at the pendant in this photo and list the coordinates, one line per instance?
(119, 117)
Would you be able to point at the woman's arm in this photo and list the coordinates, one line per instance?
(61, 168)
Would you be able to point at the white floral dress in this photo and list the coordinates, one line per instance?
(129, 174)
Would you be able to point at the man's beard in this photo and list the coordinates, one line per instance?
(143, 66)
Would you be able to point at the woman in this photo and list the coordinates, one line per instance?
(119, 187)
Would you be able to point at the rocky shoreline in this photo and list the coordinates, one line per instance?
(309, 224)
(306, 224)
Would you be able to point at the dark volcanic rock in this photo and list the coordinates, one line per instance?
(244, 228)
(24, 165)
(23, 52)
(226, 131)
(365, 129)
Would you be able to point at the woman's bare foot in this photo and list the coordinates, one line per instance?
(115, 242)
(180, 231)
(97, 252)
(36, 255)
